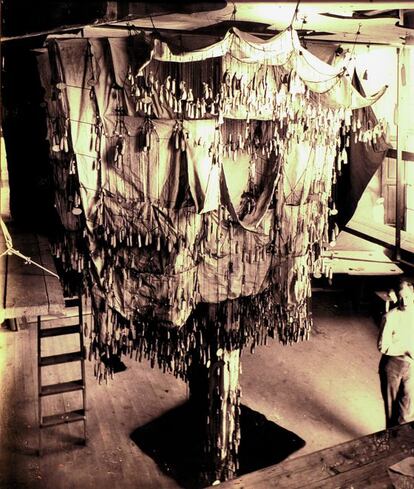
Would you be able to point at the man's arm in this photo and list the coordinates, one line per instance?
(385, 335)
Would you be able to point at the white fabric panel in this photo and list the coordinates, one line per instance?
(283, 49)
(203, 173)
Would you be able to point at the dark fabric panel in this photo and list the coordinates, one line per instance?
(364, 159)
(324, 51)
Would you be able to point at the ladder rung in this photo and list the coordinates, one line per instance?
(72, 301)
(60, 330)
(63, 358)
(73, 385)
(62, 418)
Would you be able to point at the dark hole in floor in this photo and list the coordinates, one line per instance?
(175, 442)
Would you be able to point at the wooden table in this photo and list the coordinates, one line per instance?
(358, 464)
(353, 262)
(26, 290)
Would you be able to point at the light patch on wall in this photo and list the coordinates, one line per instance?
(4, 183)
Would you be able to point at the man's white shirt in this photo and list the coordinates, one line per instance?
(397, 335)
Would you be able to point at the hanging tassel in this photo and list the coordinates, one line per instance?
(332, 241)
(344, 156)
(161, 95)
(403, 76)
(205, 91)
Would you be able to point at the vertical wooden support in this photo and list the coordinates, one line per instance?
(82, 349)
(111, 11)
(399, 214)
(39, 382)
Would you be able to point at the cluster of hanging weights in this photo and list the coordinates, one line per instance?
(55, 142)
(175, 95)
(67, 253)
(233, 146)
(368, 134)
(317, 268)
(231, 88)
(57, 92)
(142, 89)
(119, 150)
(145, 136)
(294, 84)
(301, 283)
(181, 100)
(179, 137)
(247, 204)
(60, 137)
(341, 159)
(253, 96)
(97, 133)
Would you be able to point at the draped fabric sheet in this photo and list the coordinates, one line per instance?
(283, 49)
(365, 157)
(201, 177)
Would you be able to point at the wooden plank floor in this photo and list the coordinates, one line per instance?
(323, 392)
(25, 289)
(111, 458)
(357, 464)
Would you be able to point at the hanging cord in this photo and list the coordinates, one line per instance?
(233, 14)
(290, 26)
(11, 251)
(155, 30)
(345, 70)
(295, 15)
(304, 21)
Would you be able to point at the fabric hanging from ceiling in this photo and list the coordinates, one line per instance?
(283, 49)
(365, 157)
(204, 177)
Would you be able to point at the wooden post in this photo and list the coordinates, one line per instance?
(399, 214)
(224, 415)
(215, 391)
(111, 11)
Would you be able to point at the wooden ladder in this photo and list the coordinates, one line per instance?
(61, 387)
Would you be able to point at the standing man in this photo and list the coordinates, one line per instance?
(396, 370)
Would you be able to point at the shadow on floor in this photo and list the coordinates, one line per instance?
(175, 442)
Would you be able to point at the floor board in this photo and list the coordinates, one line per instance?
(322, 392)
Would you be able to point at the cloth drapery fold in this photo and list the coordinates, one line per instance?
(197, 186)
